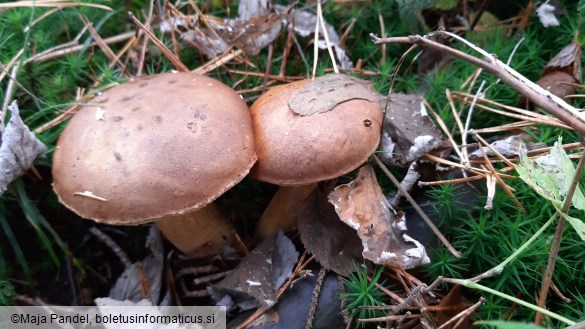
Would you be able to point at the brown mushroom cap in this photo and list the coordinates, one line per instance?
(296, 150)
(159, 145)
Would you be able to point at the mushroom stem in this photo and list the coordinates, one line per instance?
(284, 209)
(205, 230)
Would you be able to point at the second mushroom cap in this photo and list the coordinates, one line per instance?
(332, 138)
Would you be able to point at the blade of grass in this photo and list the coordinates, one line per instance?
(38, 222)
(474, 285)
(15, 246)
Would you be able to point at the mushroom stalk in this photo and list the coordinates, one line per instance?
(205, 231)
(284, 210)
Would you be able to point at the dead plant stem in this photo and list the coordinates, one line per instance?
(542, 98)
(554, 250)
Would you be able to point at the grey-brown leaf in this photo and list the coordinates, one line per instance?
(19, 149)
(325, 93)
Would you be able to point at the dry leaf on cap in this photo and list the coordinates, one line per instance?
(335, 245)
(361, 205)
(325, 93)
(408, 132)
(18, 150)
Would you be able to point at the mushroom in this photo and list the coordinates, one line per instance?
(298, 150)
(157, 148)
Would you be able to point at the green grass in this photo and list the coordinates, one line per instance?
(485, 238)
(360, 292)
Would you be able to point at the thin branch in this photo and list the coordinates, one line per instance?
(539, 96)
(424, 216)
(554, 250)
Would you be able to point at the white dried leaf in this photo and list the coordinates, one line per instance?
(18, 150)
(507, 147)
(252, 8)
(546, 14)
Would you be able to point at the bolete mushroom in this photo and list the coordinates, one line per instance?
(157, 148)
(310, 131)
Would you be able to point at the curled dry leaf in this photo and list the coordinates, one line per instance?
(325, 93)
(568, 60)
(260, 274)
(129, 286)
(408, 132)
(204, 41)
(254, 34)
(335, 245)
(509, 146)
(19, 148)
(361, 205)
(559, 83)
(561, 73)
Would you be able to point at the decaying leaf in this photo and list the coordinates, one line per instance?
(304, 25)
(450, 306)
(559, 83)
(255, 33)
(260, 274)
(550, 176)
(293, 307)
(408, 132)
(325, 93)
(361, 205)
(546, 14)
(335, 245)
(252, 8)
(509, 146)
(561, 73)
(207, 43)
(128, 286)
(18, 149)
(568, 60)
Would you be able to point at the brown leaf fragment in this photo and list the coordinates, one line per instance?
(325, 93)
(567, 60)
(19, 147)
(451, 305)
(361, 205)
(559, 83)
(254, 34)
(260, 274)
(408, 132)
(334, 245)
(204, 41)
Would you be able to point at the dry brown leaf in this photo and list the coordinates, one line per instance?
(567, 60)
(361, 205)
(325, 93)
(260, 274)
(450, 306)
(559, 83)
(254, 34)
(409, 133)
(334, 245)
